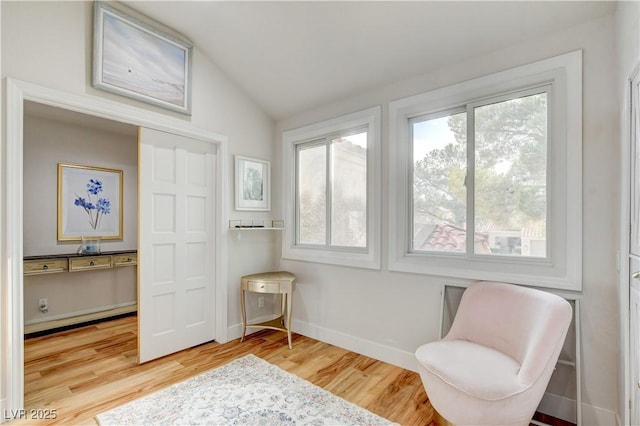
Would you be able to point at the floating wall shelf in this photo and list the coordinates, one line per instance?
(256, 225)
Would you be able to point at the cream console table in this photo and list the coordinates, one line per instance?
(279, 282)
(37, 265)
(72, 263)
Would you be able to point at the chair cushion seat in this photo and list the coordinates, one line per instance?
(475, 370)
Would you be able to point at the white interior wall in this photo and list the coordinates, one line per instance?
(390, 314)
(49, 43)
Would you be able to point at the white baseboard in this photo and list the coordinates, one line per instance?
(592, 415)
(565, 408)
(63, 320)
(355, 344)
(79, 313)
(558, 406)
(358, 345)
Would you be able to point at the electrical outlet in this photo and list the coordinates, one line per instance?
(261, 302)
(43, 305)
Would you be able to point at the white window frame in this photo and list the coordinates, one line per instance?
(562, 269)
(468, 110)
(368, 257)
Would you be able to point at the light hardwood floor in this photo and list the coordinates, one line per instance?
(83, 372)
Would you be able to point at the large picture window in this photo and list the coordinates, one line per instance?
(332, 184)
(487, 177)
(481, 170)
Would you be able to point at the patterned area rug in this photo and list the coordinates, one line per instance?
(247, 391)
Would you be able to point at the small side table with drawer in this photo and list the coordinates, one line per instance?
(278, 282)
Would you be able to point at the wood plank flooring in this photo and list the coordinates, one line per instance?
(79, 373)
(82, 372)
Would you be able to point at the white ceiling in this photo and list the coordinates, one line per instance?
(294, 55)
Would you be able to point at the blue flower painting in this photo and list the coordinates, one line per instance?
(89, 202)
(95, 206)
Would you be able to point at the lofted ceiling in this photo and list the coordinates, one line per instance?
(295, 55)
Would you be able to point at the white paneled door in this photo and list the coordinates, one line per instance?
(176, 245)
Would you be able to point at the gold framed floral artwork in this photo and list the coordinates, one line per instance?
(89, 202)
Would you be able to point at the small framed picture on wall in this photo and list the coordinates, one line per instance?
(252, 184)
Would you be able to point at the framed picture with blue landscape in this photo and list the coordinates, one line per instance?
(134, 58)
(89, 202)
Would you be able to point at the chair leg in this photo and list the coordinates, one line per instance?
(439, 420)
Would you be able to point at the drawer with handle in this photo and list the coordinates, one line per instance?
(126, 259)
(263, 287)
(44, 266)
(89, 263)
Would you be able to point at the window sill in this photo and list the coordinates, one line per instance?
(341, 258)
(536, 274)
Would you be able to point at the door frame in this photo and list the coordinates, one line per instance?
(627, 137)
(11, 230)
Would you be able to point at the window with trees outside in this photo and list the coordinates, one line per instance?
(492, 153)
(489, 177)
(332, 185)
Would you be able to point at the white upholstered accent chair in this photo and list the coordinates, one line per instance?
(494, 364)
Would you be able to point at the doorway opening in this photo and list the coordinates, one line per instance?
(60, 291)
